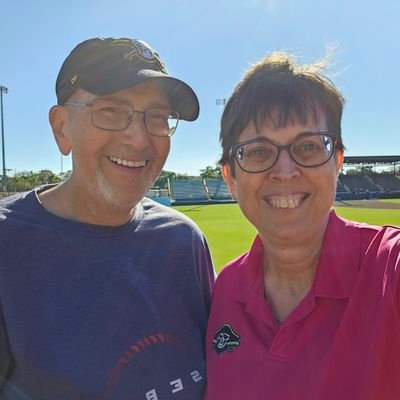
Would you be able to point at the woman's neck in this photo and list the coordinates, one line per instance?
(289, 272)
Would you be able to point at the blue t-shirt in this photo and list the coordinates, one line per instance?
(97, 312)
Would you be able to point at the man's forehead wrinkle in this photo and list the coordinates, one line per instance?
(131, 101)
(82, 95)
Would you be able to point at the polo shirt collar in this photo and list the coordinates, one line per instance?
(337, 268)
(339, 260)
(252, 282)
(250, 286)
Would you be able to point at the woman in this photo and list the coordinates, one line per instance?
(312, 310)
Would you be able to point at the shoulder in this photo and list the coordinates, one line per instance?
(380, 253)
(246, 265)
(384, 242)
(389, 235)
(374, 239)
(233, 276)
(175, 230)
(158, 216)
(234, 268)
(383, 255)
(13, 204)
(357, 232)
(6, 202)
(241, 274)
(183, 239)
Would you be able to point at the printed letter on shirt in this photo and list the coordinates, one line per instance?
(177, 385)
(196, 376)
(151, 395)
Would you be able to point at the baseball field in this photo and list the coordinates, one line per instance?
(229, 234)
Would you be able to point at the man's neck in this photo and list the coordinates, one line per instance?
(66, 202)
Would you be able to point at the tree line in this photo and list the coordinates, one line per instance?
(27, 180)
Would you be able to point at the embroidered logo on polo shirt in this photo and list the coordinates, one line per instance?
(225, 339)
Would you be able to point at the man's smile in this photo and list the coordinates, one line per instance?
(128, 163)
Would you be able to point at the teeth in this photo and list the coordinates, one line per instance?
(285, 202)
(128, 163)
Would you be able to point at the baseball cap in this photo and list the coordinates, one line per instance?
(103, 66)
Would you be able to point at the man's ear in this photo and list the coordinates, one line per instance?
(230, 180)
(58, 122)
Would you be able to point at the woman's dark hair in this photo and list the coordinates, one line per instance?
(282, 91)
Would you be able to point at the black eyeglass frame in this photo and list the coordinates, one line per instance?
(234, 151)
(130, 119)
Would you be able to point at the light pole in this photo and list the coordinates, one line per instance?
(3, 89)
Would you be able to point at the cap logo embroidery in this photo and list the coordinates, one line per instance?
(74, 79)
(225, 339)
(141, 50)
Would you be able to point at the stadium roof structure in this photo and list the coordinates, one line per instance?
(371, 159)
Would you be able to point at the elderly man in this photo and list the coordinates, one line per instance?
(105, 294)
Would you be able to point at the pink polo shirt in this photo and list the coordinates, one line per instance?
(341, 342)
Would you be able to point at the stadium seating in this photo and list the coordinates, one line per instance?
(186, 191)
(388, 182)
(341, 188)
(349, 187)
(358, 183)
(218, 189)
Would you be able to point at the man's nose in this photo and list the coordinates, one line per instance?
(136, 133)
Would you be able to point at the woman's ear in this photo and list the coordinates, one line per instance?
(58, 121)
(230, 180)
(339, 156)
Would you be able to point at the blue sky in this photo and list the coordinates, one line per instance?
(209, 44)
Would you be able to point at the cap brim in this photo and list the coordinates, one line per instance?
(181, 96)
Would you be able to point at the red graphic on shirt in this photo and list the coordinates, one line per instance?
(133, 350)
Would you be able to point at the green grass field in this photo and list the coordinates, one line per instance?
(229, 234)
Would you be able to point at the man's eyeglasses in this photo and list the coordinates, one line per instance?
(309, 149)
(114, 116)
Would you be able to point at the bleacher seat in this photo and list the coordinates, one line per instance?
(358, 183)
(340, 188)
(218, 189)
(388, 182)
(188, 191)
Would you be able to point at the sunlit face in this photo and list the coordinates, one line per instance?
(115, 168)
(287, 201)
